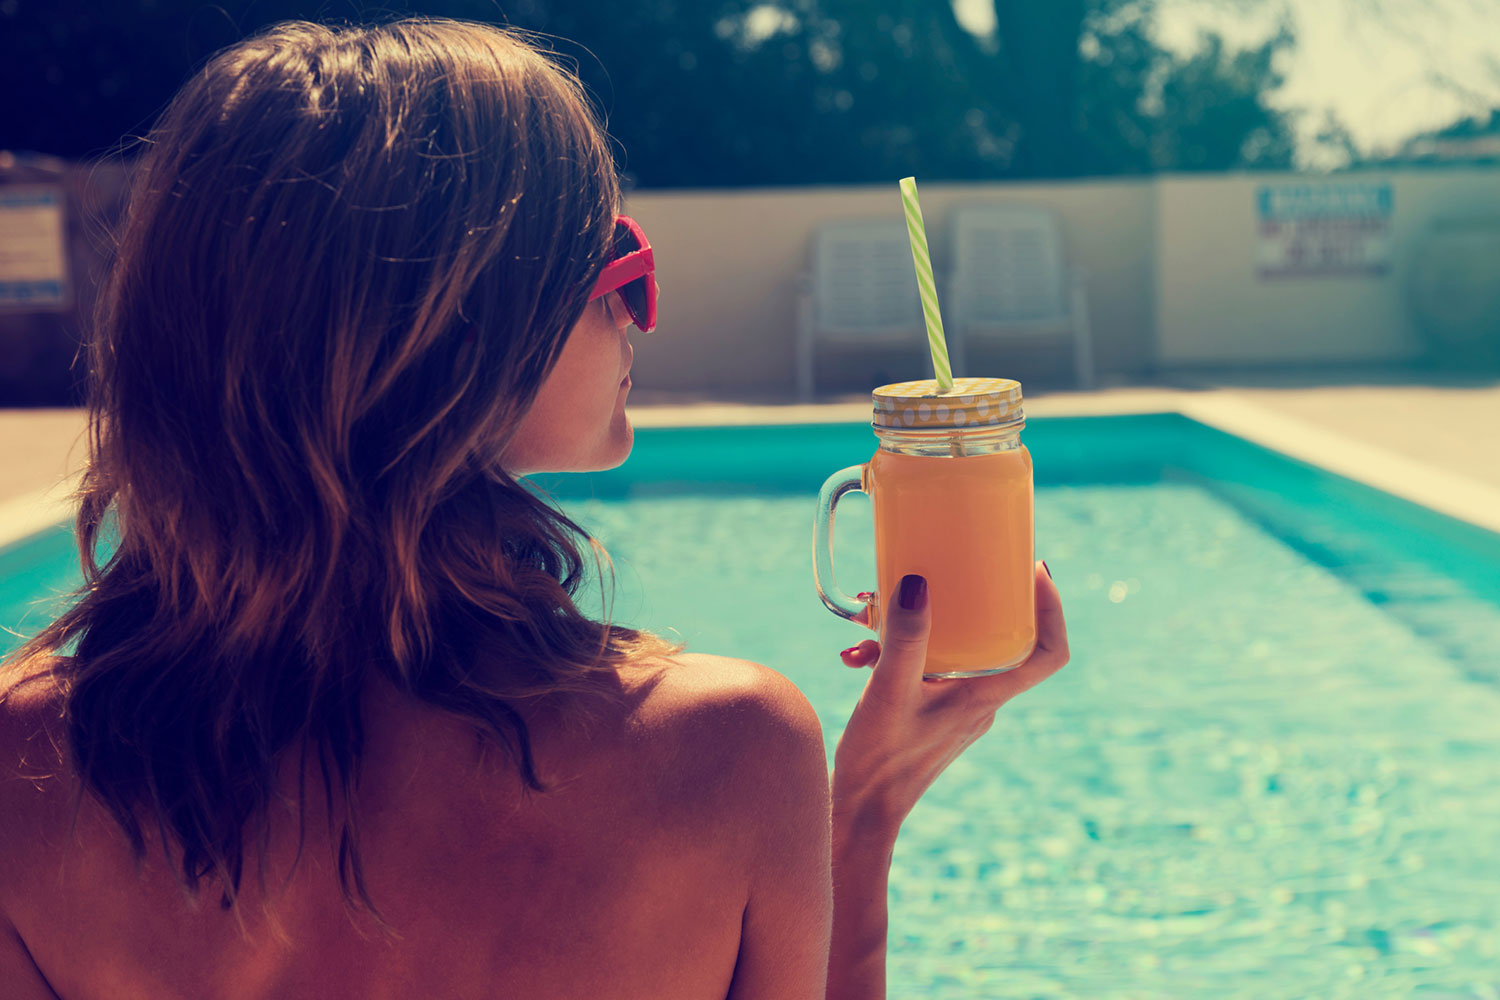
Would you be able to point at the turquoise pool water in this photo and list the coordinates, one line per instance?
(1271, 771)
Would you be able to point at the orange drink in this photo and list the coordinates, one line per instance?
(965, 524)
(951, 489)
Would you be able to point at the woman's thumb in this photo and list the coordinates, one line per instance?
(903, 637)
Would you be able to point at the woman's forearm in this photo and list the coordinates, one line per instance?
(861, 877)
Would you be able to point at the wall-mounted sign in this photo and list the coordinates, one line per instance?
(33, 251)
(1318, 229)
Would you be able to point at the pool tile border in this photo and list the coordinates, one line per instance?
(1427, 485)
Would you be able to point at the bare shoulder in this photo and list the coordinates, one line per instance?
(730, 736)
(30, 765)
(733, 699)
(759, 765)
(30, 718)
(33, 767)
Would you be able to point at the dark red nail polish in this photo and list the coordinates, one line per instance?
(913, 592)
(864, 595)
(851, 649)
(1046, 570)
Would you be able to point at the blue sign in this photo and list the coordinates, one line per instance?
(1324, 229)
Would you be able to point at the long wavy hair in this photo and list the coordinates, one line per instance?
(351, 256)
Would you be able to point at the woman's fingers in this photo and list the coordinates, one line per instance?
(907, 630)
(862, 655)
(1047, 659)
(1051, 630)
(903, 641)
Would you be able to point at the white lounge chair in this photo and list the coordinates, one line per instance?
(1009, 281)
(860, 291)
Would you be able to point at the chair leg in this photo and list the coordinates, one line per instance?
(1083, 343)
(805, 370)
(804, 354)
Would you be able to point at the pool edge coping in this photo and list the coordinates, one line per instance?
(30, 513)
(1409, 479)
(1418, 482)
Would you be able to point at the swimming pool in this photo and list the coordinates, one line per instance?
(1271, 770)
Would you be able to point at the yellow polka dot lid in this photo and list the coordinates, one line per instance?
(972, 404)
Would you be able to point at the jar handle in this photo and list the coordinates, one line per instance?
(834, 487)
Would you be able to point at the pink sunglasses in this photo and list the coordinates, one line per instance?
(632, 273)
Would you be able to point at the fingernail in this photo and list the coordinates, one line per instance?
(913, 592)
(864, 595)
(851, 649)
(1047, 571)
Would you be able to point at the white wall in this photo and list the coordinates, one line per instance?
(1213, 309)
(1171, 263)
(730, 263)
(1171, 260)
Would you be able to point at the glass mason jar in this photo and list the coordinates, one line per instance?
(951, 487)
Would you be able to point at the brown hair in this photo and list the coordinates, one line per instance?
(293, 447)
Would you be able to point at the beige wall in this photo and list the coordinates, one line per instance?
(1171, 264)
(730, 264)
(1212, 309)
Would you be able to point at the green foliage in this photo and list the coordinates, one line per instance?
(1217, 120)
(711, 93)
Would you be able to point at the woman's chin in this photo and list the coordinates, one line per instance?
(615, 449)
(622, 441)
(609, 452)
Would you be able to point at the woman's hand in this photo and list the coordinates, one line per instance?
(905, 731)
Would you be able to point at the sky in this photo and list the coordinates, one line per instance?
(1388, 68)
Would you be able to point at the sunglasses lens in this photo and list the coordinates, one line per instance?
(634, 296)
(625, 241)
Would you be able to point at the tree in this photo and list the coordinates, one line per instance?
(1211, 113)
(1064, 88)
(742, 92)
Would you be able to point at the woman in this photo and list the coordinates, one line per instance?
(325, 720)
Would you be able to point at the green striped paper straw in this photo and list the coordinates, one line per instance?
(928, 288)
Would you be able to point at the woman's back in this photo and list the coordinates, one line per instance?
(676, 819)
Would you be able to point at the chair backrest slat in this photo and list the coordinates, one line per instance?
(862, 276)
(1008, 265)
